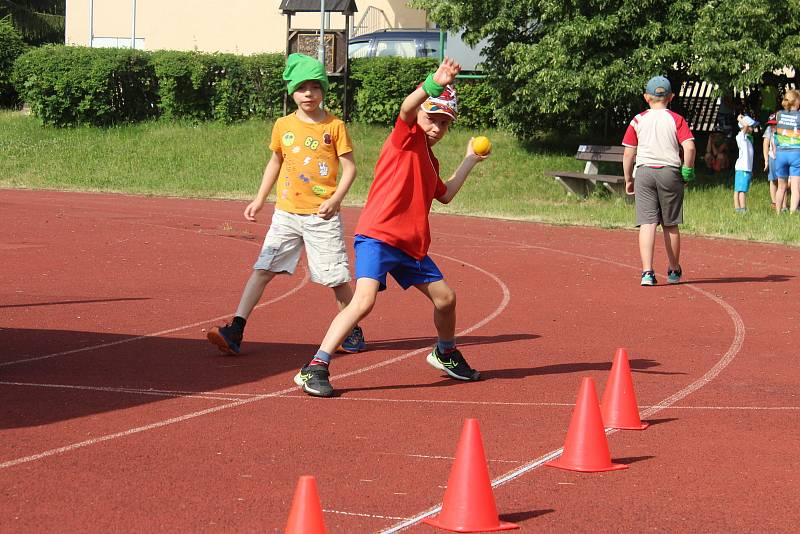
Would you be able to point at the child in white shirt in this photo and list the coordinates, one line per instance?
(744, 164)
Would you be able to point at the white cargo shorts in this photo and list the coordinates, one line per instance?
(328, 264)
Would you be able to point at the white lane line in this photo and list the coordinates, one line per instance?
(437, 401)
(232, 396)
(373, 516)
(60, 450)
(745, 408)
(533, 404)
(133, 391)
(727, 358)
(131, 431)
(290, 292)
(438, 457)
(500, 308)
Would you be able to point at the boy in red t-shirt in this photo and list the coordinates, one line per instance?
(393, 234)
(656, 172)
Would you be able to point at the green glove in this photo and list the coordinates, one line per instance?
(687, 173)
(431, 87)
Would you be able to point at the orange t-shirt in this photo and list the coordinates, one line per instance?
(310, 161)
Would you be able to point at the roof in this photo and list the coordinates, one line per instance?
(347, 7)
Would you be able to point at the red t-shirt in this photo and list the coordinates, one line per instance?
(406, 182)
(657, 135)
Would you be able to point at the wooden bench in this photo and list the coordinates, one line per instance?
(581, 184)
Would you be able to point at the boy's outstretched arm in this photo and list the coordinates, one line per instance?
(455, 182)
(271, 172)
(330, 207)
(444, 75)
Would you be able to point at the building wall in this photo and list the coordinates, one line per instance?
(241, 26)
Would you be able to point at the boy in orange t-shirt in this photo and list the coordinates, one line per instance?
(307, 148)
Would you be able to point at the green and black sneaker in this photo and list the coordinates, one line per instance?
(452, 363)
(314, 380)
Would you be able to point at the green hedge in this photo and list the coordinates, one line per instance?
(11, 47)
(222, 87)
(382, 83)
(67, 85)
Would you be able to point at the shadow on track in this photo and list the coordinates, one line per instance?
(151, 369)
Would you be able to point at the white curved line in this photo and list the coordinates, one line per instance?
(60, 450)
(712, 373)
(292, 291)
(500, 307)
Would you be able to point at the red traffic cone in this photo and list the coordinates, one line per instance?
(586, 446)
(468, 504)
(305, 516)
(619, 406)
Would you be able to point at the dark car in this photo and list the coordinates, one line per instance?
(414, 43)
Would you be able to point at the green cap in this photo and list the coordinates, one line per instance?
(301, 68)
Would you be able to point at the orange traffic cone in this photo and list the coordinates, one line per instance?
(586, 446)
(305, 516)
(468, 504)
(619, 406)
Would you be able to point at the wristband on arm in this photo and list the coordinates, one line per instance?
(431, 87)
(687, 173)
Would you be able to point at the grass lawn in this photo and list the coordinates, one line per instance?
(226, 161)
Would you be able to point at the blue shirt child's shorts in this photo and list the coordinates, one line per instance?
(741, 181)
(375, 259)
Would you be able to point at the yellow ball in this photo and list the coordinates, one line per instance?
(481, 145)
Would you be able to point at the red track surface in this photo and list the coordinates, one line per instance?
(117, 415)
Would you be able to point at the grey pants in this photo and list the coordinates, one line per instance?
(659, 196)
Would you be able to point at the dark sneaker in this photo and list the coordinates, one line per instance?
(452, 363)
(314, 380)
(649, 278)
(674, 276)
(226, 338)
(354, 342)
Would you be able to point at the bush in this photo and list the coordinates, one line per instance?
(184, 84)
(223, 87)
(11, 47)
(476, 104)
(67, 85)
(264, 74)
(382, 83)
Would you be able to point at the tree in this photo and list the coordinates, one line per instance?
(11, 47)
(557, 62)
(39, 21)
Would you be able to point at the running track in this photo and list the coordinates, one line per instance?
(116, 415)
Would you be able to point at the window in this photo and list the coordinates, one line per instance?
(358, 49)
(396, 48)
(431, 48)
(117, 42)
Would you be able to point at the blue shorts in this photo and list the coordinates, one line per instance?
(374, 259)
(787, 163)
(741, 181)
